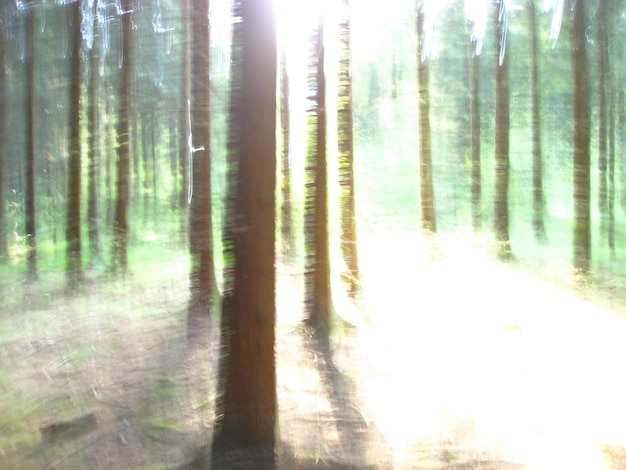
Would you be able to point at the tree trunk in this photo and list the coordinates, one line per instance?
(475, 151)
(121, 228)
(154, 122)
(611, 179)
(93, 155)
(4, 247)
(184, 121)
(30, 226)
(603, 95)
(136, 127)
(247, 410)
(286, 227)
(109, 157)
(346, 158)
(582, 137)
(73, 255)
(317, 275)
(621, 141)
(427, 189)
(200, 211)
(501, 198)
(173, 156)
(538, 194)
(145, 164)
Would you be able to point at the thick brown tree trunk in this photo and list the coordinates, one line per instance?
(582, 137)
(73, 254)
(247, 409)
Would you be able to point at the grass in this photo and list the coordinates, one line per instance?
(454, 356)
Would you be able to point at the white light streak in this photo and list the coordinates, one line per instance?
(192, 150)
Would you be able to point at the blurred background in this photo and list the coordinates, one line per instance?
(482, 326)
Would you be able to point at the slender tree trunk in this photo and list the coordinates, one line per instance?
(611, 180)
(184, 130)
(93, 154)
(501, 199)
(322, 299)
(136, 128)
(582, 137)
(286, 227)
(145, 163)
(73, 255)
(427, 189)
(153, 163)
(30, 226)
(603, 95)
(202, 275)
(53, 187)
(109, 157)
(612, 15)
(4, 246)
(621, 142)
(121, 227)
(173, 156)
(247, 410)
(538, 194)
(475, 151)
(317, 275)
(346, 158)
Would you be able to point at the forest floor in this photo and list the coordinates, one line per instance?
(453, 361)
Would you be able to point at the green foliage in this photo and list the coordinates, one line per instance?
(385, 129)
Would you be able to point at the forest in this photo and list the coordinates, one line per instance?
(337, 234)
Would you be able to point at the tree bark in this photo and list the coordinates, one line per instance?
(621, 142)
(475, 151)
(120, 225)
(611, 179)
(73, 254)
(602, 45)
(200, 211)
(184, 120)
(501, 198)
(427, 189)
(286, 215)
(538, 193)
(247, 409)
(347, 200)
(4, 246)
(317, 275)
(30, 225)
(93, 154)
(582, 137)
(109, 158)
